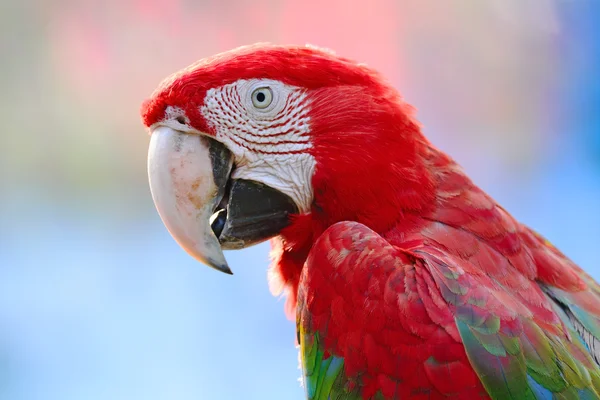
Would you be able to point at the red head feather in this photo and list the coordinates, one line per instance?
(361, 129)
(302, 66)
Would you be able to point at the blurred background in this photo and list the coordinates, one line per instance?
(98, 302)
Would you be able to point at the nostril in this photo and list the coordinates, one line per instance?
(181, 120)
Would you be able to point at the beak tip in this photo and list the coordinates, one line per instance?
(221, 267)
(225, 269)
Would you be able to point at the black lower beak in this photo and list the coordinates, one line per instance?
(254, 213)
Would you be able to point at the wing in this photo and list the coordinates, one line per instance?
(377, 321)
(519, 341)
(527, 315)
(364, 327)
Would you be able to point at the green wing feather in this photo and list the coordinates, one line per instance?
(323, 376)
(512, 355)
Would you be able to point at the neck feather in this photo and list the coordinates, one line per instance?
(393, 187)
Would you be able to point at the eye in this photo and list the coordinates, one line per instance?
(262, 97)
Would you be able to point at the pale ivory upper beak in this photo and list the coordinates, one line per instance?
(182, 182)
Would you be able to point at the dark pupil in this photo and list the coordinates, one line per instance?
(260, 96)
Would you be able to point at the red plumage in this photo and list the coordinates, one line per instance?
(402, 260)
(375, 312)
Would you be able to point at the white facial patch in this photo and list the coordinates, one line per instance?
(265, 124)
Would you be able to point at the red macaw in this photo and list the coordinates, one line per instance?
(407, 280)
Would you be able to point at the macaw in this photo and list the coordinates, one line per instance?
(405, 278)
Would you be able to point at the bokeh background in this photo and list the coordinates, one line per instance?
(98, 302)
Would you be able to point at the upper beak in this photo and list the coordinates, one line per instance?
(201, 206)
(186, 187)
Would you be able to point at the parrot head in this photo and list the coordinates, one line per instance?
(247, 144)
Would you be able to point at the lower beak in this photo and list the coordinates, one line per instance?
(201, 206)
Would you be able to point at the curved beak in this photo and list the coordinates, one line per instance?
(186, 187)
(202, 207)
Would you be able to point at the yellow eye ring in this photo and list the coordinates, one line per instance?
(262, 97)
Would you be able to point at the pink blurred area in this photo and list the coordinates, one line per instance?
(479, 73)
